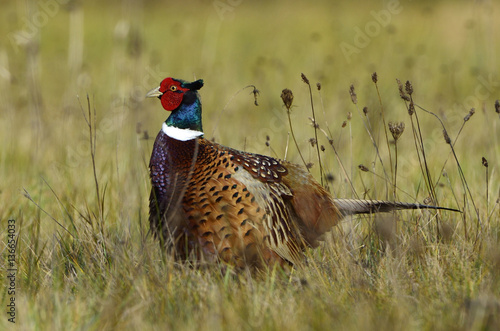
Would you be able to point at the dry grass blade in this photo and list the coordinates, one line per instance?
(366, 123)
(462, 176)
(316, 127)
(287, 97)
(28, 196)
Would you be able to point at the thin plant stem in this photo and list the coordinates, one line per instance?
(295, 140)
(315, 125)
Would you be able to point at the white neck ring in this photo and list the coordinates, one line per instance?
(180, 134)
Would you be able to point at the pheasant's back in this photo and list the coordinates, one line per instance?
(243, 208)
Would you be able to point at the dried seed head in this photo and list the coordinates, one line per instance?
(344, 124)
(485, 162)
(267, 143)
(304, 79)
(446, 137)
(396, 129)
(330, 141)
(354, 97)
(363, 168)
(309, 165)
(375, 77)
(267, 138)
(365, 110)
(402, 92)
(497, 106)
(322, 148)
(349, 116)
(255, 95)
(411, 108)
(312, 141)
(467, 117)
(428, 201)
(318, 86)
(400, 87)
(314, 124)
(287, 97)
(330, 177)
(409, 87)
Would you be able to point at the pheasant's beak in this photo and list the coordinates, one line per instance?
(154, 93)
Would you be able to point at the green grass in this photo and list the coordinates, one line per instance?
(84, 256)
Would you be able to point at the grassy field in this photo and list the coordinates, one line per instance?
(75, 182)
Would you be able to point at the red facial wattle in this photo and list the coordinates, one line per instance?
(172, 94)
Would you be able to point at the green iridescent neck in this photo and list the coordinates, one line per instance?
(188, 114)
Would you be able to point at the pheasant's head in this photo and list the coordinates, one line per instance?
(172, 92)
(183, 101)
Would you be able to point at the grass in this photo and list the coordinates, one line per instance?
(75, 179)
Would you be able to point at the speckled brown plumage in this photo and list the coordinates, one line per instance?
(231, 205)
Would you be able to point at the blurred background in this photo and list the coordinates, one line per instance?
(76, 135)
(56, 53)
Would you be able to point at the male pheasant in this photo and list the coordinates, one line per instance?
(216, 203)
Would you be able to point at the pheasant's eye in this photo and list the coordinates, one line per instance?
(173, 88)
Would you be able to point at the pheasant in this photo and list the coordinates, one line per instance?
(211, 202)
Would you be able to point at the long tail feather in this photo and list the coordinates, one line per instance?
(355, 206)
